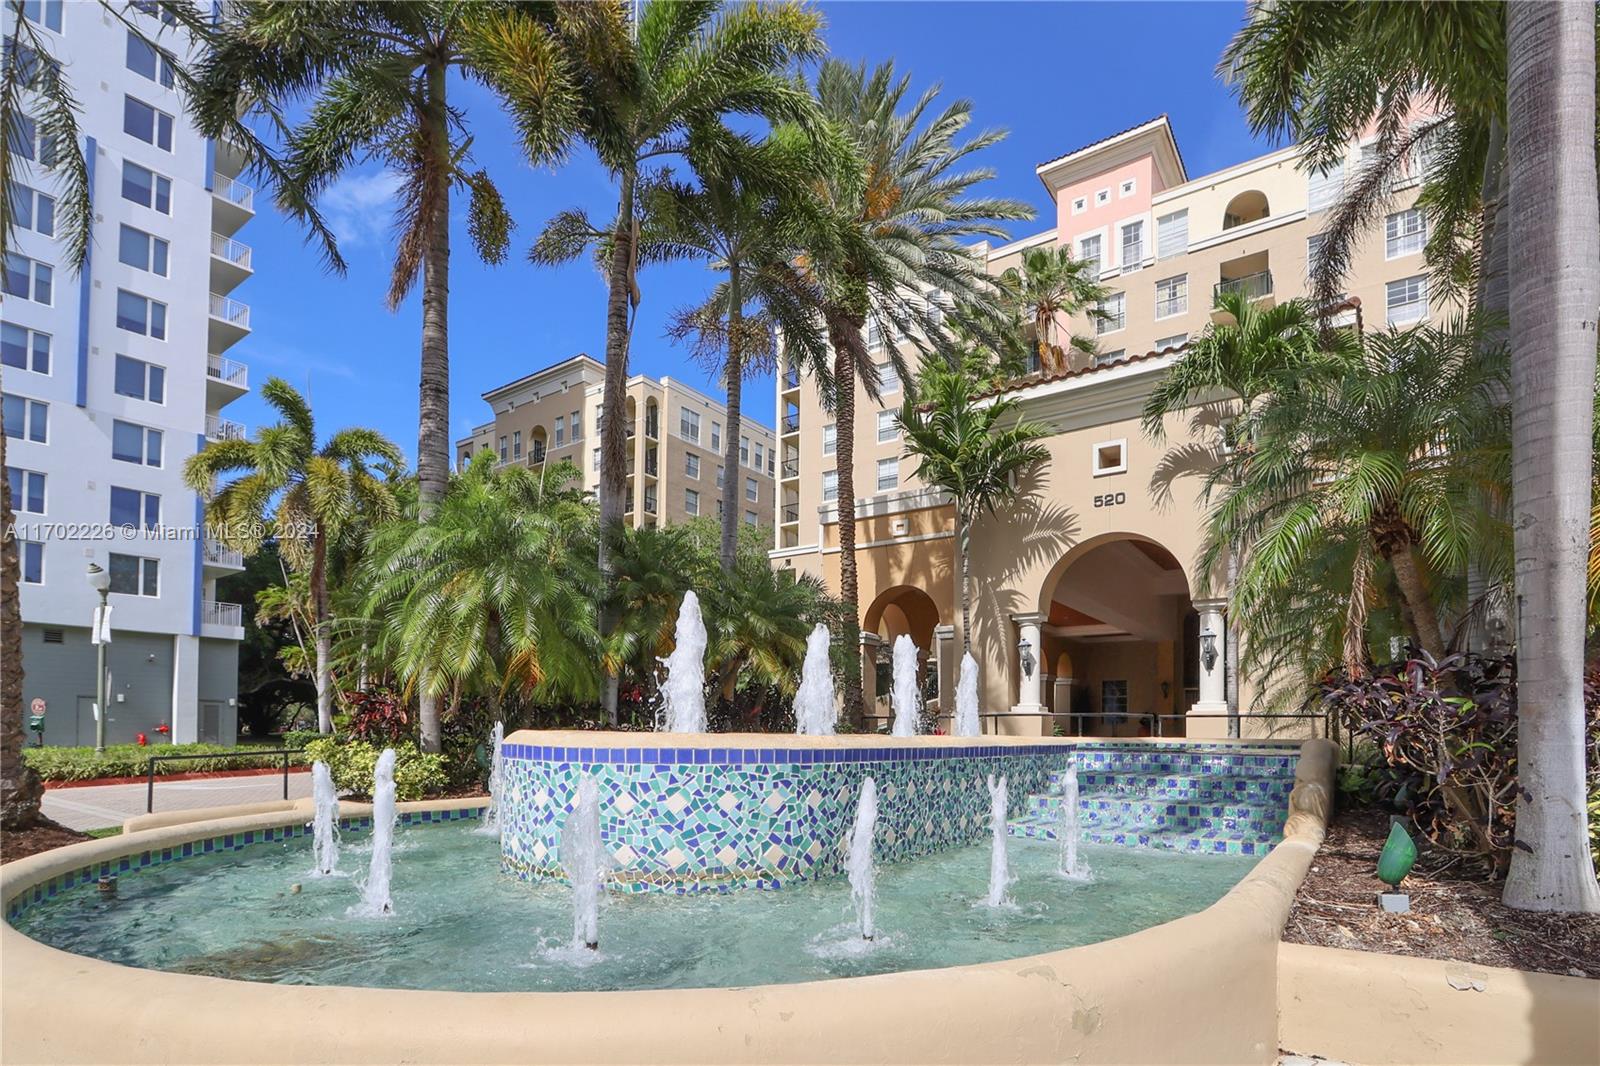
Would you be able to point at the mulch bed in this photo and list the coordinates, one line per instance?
(41, 837)
(1455, 912)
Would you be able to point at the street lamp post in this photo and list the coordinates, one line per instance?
(100, 633)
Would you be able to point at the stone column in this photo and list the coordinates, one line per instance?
(1213, 691)
(1029, 682)
(870, 642)
(947, 663)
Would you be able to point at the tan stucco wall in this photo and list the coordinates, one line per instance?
(1386, 1010)
(1213, 975)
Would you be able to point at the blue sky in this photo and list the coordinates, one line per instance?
(1056, 75)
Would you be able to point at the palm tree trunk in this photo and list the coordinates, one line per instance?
(1230, 653)
(613, 412)
(735, 383)
(324, 640)
(433, 422)
(844, 413)
(1555, 288)
(20, 787)
(964, 576)
(1403, 560)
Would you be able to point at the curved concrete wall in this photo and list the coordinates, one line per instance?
(1210, 978)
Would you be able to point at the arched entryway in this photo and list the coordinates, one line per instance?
(903, 610)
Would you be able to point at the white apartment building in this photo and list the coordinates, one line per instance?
(112, 378)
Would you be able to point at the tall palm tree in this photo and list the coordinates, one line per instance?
(374, 79)
(896, 213)
(1555, 287)
(1048, 286)
(637, 91)
(305, 496)
(973, 451)
(20, 787)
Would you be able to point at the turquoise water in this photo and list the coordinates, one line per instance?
(460, 924)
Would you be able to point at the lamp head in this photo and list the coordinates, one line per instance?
(99, 580)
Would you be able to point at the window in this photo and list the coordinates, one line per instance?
(561, 430)
(751, 518)
(716, 436)
(1172, 234)
(132, 575)
(142, 315)
(1133, 245)
(758, 462)
(830, 438)
(1113, 314)
(752, 489)
(721, 473)
(46, 13)
(27, 490)
(888, 473)
(32, 562)
(1172, 296)
(148, 124)
(155, 10)
(830, 486)
(1323, 189)
(744, 451)
(143, 59)
(772, 461)
(24, 349)
(594, 460)
(719, 508)
(888, 377)
(888, 425)
(1114, 699)
(691, 466)
(1110, 457)
(32, 209)
(141, 380)
(27, 419)
(649, 499)
(1089, 252)
(31, 142)
(1177, 340)
(689, 424)
(1408, 300)
(691, 501)
(1107, 358)
(28, 279)
(146, 188)
(132, 509)
(1102, 197)
(577, 426)
(133, 443)
(874, 334)
(143, 251)
(1080, 205)
(1405, 232)
(1128, 187)
(516, 444)
(1313, 250)
(504, 455)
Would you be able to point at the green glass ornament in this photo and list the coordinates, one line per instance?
(1399, 854)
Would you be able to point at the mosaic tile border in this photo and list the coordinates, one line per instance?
(134, 862)
(658, 756)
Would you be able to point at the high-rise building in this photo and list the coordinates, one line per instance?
(677, 442)
(113, 376)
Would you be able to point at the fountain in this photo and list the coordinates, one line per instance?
(493, 814)
(324, 821)
(584, 860)
(375, 899)
(966, 722)
(863, 887)
(685, 690)
(904, 695)
(815, 712)
(999, 870)
(1072, 867)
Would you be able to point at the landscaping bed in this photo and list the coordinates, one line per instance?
(44, 836)
(1456, 912)
(132, 761)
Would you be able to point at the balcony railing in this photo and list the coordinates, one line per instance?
(231, 311)
(1253, 286)
(791, 423)
(791, 512)
(217, 555)
(649, 504)
(235, 252)
(235, 192)
(791, 468)
(650, 465)
(217, 613)
(791, 378)
(219, 429)
(230, 371)
(652, 428)
(536, 456)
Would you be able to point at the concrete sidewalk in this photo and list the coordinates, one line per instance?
(99, 806)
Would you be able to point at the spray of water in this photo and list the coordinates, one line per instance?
(1072, 866)
(324, 820)
(582, 856)
(905, 696)
(966, 722)
(375, 899)
(999, 869)
(816, 713)
(685, 690)
(858, 864)
(494, 813)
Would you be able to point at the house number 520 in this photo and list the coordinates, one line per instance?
(1111, 499)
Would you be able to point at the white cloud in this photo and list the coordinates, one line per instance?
(359, 208)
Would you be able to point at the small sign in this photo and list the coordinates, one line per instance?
(36, 708)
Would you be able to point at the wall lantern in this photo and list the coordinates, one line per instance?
(1208, 649)
(1025, 652)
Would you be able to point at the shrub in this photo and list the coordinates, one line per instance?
(378, 717)
(131, 760)
(299, 738)
(352, 763)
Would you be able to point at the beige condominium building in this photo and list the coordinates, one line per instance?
(676, 442)
(1087, 614)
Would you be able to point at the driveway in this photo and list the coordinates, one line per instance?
(99, 806)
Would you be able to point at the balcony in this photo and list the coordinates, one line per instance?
(652, 429)
(1256, 287)
(649, 503)
(230, 322)
(791, 513)
(218, 619)
(230, 263)
(219, 558)
(233, 203)
(791, 468)
(650, 464)
(221, 429)
(791, 379)
(791, 423)
(226, 381)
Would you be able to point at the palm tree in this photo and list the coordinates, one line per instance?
(306, 497)
(896, 214)
(20, 787)
(757, 622)
(638, 91)
(1048, 286)
(489, 594)
(1551, 153)
(973, 451)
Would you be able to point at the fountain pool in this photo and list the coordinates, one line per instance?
(461, 924)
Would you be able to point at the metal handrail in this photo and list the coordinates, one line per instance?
(229, 370)
(1253, 286)
(791, 423)
(234, 312)
(150, 769)
(235, 192)
(235, 252)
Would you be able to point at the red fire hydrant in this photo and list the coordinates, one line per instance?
(142, 740)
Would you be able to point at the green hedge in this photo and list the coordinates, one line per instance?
(130, 760)
(352, 763)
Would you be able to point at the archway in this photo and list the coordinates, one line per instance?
(1245, 208)
(901, 610)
